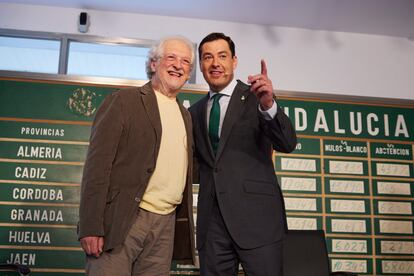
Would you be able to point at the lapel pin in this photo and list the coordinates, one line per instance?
(243, 98)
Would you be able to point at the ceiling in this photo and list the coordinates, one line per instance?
(381, 17)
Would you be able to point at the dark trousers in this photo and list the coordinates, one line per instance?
(220, 255)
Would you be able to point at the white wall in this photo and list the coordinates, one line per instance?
(298, 59)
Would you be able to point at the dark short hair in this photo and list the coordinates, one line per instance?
(217, 36)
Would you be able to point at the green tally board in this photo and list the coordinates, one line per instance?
(351, 175)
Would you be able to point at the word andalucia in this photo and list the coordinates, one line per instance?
(355, 123)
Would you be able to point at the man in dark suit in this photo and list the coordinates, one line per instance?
(240, 215)
(136, 195)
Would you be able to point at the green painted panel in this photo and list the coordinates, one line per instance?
(308, 146)
(350, 120)
(50, 101)
(67, 110)
(43, 151)
(47, 131)
(179, 269)
(68, 259)
(392, 151)
(38, 236)
(188, 99)
(345, 148)
(41, 172)
(39, 215)
(39, 193)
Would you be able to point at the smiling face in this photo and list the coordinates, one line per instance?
(217, 64)
(172, 69)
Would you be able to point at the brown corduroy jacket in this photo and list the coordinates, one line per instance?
(122, 156)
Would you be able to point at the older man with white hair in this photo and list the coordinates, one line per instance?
(136, 198)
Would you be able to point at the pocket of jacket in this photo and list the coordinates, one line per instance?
(260, 187)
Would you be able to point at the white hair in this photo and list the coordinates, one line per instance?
(157, 51)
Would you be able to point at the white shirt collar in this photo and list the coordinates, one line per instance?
(228, 90)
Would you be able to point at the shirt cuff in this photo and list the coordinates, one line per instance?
(270, 113)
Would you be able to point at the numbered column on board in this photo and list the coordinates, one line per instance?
(299, 176)
(393, 180)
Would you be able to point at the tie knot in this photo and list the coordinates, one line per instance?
(216, 97)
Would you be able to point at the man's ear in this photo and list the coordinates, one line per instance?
(189, 75)
(153, 66)
(235, 62)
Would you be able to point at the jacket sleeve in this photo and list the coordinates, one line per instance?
(105, 135)
(280, 131)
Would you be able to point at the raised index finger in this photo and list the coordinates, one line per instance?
(263, 67)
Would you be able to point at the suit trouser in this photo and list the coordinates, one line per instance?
(147, 250)
(221, 256)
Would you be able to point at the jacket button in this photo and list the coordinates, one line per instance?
(137, 199)
(150, 170)
(216, 170)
